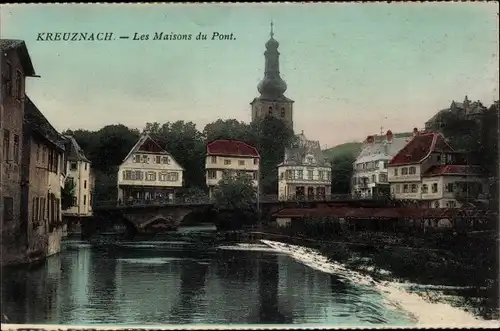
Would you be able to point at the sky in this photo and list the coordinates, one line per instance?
(351, 68)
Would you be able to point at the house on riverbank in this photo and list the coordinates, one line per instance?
(428, 171)
(230, 157)
(304, 171)
(43, 155)
(149, 172)
(80, 178)
(370, 174)
(15, 66)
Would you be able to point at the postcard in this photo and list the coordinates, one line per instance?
(249, 166)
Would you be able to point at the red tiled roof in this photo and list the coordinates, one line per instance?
(420, 147)
(450, 169)
(381, 212)
(226, 147)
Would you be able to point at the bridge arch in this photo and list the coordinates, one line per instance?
(197, 216)
(159, 222)
(130, 227)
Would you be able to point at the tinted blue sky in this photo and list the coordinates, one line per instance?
(351, 68)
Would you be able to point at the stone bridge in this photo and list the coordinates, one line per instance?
(143, 217)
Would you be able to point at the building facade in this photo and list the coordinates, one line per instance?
(79, 177)
(15, 66)
(149, 172)
(370, 174)
(43, 151)
(230, 157)
(429, 172)
(304, 171)
(272, 101)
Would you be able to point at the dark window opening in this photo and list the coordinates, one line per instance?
(8, 209)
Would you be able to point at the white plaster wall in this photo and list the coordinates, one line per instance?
(81, 175)
(54, 241)
(248, 163)
(173, 166)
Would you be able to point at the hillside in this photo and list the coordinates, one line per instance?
(353, 148)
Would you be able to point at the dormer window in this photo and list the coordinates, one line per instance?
(282, 112)
(443, 159)
(309, 159)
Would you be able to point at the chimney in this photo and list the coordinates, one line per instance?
(369, 140)
(388, 136)
(415, 132)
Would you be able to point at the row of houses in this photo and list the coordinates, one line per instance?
(36, 162)
(422, 168)
(149, 171)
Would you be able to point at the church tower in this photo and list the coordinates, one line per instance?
(272, 88)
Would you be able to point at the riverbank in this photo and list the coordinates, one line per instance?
(29, 255)
(423, 310)
(466, 265)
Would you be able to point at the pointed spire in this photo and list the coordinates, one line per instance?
(272, 86)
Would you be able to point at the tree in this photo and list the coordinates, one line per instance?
(235, 192)
(107, 147)
(342, 170)
(270, 136)
(68, 194)
(192, 194)
(489, 139)
(235, 201)
(114, 143)
(227, 129)
(478, 139)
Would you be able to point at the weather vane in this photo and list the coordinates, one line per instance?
(272, 32)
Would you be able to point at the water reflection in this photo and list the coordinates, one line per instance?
(192, 290)
(269, 275)
(177, 283)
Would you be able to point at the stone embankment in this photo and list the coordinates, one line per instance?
(39, 248)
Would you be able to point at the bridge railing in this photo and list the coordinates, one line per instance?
(203, 200)
(310, 198)
(189, 201)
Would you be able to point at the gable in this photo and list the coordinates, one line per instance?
(150, 146)
(419, 148)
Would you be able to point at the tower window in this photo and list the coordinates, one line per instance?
(270, 110)
(282, 112)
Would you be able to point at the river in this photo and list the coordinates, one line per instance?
(176, 279)
(176, 282)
